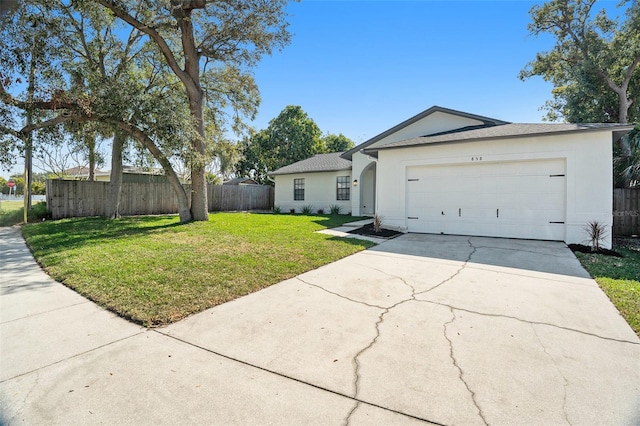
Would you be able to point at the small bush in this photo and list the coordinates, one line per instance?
(276, 210)
(292, 211)
(308, 209)
(597, 233)
(38, 212)
(320, 211)
(335, 209)
(377, 223)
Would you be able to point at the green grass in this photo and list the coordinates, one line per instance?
(12, 212)
(154, 271)
(619, 278)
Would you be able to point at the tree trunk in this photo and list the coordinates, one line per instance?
(115, 183)
(174, 181)
(199, 203)
(91, 146)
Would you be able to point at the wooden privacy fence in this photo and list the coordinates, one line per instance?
(75, 198)
(626, 211)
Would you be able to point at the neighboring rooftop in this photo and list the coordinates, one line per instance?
(318, 163)
(506, 131)
(241, 181)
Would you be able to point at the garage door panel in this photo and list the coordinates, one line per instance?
(515, 199)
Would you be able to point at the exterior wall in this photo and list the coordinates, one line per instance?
(319, 191)
(589, 173)
(434, 123)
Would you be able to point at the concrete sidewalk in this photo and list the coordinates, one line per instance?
(420, 329)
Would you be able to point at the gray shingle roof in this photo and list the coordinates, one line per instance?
(318, 163)
(504, 131)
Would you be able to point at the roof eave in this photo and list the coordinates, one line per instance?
(621, 131)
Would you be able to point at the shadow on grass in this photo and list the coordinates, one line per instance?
(74, 233)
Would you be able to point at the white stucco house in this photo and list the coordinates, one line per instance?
(450, 172)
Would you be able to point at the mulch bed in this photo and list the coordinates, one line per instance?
(368, 230)
(587, 249)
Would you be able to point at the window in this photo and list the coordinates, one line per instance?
(343, 190)
(298, 189)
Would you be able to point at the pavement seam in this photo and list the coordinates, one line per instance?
(284, 376)
(73, 356)
(566, 382)
(586, 333)
(462, 267)
(460, 371)
(45, 312)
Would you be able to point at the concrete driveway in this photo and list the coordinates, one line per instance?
(421, 328)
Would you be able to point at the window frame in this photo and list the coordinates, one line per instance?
(343, 188)
(298, 189)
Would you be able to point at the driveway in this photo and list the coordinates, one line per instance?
(419, 329)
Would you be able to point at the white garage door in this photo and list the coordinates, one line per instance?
(524, 199)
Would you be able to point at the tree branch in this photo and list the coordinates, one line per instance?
(155, 36)
(52, 122)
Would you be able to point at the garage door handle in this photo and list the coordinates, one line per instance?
(497, 212)
(459, 212)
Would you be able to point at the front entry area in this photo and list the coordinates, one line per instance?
(368, 190)
(516, 199)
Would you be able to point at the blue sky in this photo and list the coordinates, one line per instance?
(360, 67)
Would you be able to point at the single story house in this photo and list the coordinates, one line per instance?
(130, 174)
(241, 181)
(451, 172)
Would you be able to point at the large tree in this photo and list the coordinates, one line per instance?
(291, 136)
(337, 143)
(594, 63)
(182, 63)
(203, 42)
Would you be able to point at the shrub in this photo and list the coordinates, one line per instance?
(292, 211)
(377, 223)
(276, 210)
(307, 209)
(320, 211)
(597, 232)
(335, 209)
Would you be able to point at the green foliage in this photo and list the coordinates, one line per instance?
(593, 65)
(290, 137)
(277, 210)
(626, 166)
(337, 143)
(143, 268)
(335, 209)
(320, 211)
(12, 212)
(619, 279)
(306, 209)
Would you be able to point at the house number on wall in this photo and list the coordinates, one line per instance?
(476, 158)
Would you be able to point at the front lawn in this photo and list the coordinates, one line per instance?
(619, 278)
(155, 271)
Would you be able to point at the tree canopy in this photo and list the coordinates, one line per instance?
(593, 65)
(162, 72)
(291, 136)
(337, 143)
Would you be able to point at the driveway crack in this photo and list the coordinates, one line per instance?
(340, 295)
(487, 314)
(455, 274)
(460, 371)
(566, 382)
